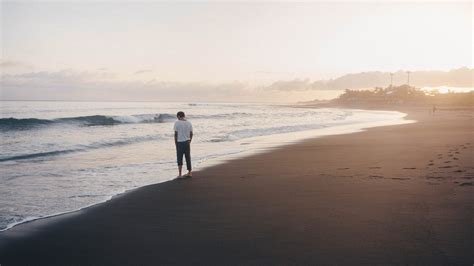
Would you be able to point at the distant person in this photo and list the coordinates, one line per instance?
(434, 109)
(183, 134)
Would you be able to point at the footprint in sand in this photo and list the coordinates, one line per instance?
(409, 168)
(401, 178)
(430, 164)
(447, 161)
(455, 158)
(465, 184)
(435, 177)
(375, 167)
(248, 176)
(447, 166)
(376, 176)
(458, 171)
(343, 168)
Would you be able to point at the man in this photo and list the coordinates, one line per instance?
(183, 134)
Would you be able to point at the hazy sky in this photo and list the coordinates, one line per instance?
(214, 42)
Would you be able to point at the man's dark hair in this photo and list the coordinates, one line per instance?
(180, 114)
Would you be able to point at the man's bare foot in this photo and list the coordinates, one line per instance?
(189, 174)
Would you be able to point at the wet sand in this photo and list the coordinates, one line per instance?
(390, 195)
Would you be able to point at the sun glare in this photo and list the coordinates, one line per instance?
(444, 89)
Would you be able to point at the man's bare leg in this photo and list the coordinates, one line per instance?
(190, 173)
(180, 169)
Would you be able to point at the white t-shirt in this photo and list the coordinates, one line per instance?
(184, 128)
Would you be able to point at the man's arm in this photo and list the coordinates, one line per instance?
(176, 137)
(190, 136)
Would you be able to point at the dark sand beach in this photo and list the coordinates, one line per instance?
(395, 195)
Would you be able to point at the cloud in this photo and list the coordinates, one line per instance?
(292, 85)
(8, 64)
(68, 84)
(265, 72)
(71, 85)
(143, 71)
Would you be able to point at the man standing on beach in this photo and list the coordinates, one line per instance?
(183, 134)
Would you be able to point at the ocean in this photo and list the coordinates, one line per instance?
(58, 157)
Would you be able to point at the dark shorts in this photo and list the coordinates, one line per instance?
(184, 148)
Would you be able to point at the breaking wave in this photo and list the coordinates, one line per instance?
(93, 120)
(103, 120)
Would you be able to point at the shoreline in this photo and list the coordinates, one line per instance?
(264, 146)
(281, 205)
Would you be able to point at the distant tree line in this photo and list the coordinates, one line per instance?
(403, 95)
